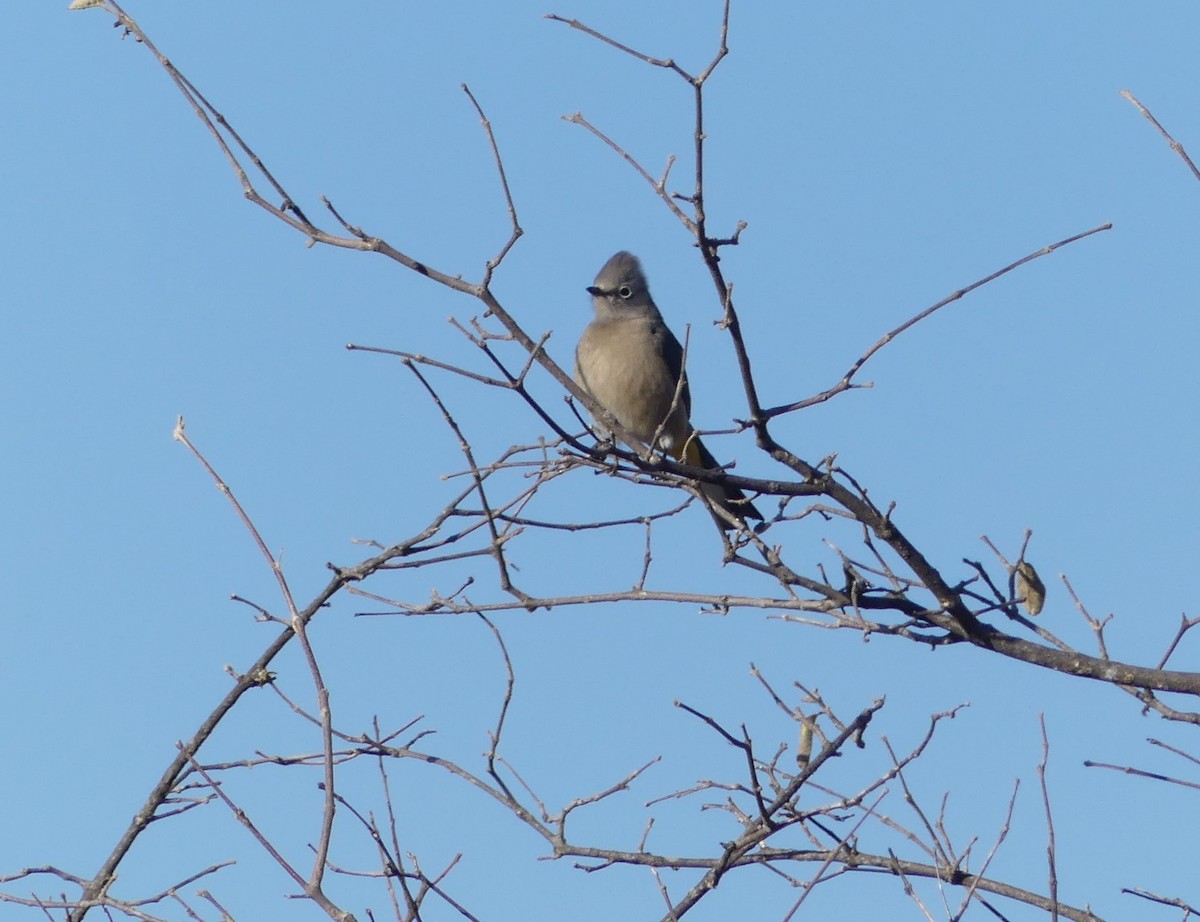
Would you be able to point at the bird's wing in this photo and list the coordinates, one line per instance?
(672, 352)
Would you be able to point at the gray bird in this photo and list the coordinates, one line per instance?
(630, 363)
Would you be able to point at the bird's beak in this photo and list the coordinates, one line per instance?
(594, 291)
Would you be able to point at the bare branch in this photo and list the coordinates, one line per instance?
(846, 382)
(1175, 145)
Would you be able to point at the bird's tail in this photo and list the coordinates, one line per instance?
(723, 496)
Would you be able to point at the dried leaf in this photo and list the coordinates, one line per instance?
(1030, 585)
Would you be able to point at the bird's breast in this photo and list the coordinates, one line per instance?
(621, 365)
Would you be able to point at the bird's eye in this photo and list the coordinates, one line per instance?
(625, 292)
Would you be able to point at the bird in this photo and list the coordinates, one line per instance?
(630, 363)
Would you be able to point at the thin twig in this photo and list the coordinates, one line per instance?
(1051, 860)
(846, 382)
(1175, 145)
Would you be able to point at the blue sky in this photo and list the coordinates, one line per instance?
(882, 158)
